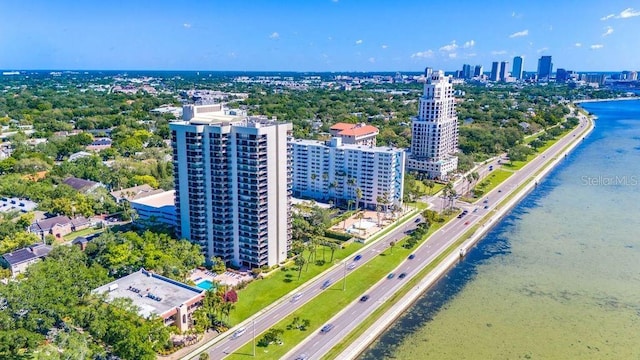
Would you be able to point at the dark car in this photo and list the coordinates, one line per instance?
(402, 276)
(390, 276)
(326, 328)
(486, 206)
(326, 284)
(364, 298)
(412, 256)
(358, 257)
(418, 220)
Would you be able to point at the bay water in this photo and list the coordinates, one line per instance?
(557, 278)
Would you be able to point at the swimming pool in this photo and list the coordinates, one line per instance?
(205, 285)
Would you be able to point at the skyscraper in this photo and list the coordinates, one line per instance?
(477, 71)
(434, 131)
(518, 64)
(504, 70)
(561, 75)
(545, 68)
(466, 71)
(495, 71)
(233, 185)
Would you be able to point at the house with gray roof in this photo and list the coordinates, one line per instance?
(82, 185)
(18, 260)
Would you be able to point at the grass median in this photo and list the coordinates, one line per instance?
(324, 306)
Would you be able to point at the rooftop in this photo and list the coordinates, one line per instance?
(136, 192)
(27, 254)
(363, 148)
(79, 184)
(165, 198)
(151, 293)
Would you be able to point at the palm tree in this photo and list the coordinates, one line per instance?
(359, 216)
(299, 262)
(333, 246)
(358, 197)
(391, 245)
(378, 208)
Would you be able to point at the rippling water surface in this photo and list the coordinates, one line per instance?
(559, 278)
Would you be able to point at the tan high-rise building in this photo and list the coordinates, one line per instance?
(434, 131)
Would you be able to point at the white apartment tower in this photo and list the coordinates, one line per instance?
(434, 132)
(333, 171)
(233, 185)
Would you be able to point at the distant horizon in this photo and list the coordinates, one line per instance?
(292, 71)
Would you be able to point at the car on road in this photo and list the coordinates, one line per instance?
(238, 333)
(364, 298)
(351, 266)
(357, 258)
(486, 206)
(402, 276)
(418, 220)
(390, 276)
(302, 357)
(486, 200)
(499, 190)
(326, 284)
(466, 223)
(326, 328)
(296, 297)
(412, 256)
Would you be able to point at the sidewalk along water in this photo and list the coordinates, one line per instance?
(558, 278)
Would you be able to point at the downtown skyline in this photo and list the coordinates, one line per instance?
(327, 35)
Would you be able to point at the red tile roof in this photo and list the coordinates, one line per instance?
(359, 131)
(342, 126)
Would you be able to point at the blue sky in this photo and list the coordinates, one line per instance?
(317, 35)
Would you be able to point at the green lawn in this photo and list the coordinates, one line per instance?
(260, 293)
(492, 181)
(324, 306)
(83, 232)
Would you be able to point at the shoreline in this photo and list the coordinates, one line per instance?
(578, 102)
(385, 321)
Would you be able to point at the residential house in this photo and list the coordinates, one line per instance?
(18, 260)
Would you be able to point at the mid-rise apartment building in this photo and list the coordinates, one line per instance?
(233, 185)
(333, 171)
(434, 131)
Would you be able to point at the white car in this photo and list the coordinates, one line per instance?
(351, 266)
(239, 333)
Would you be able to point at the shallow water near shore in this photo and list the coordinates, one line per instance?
(558, 278)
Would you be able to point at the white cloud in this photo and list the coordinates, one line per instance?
(519, 33)
(423, 54)
(358, 42)
(470, 55)
(372, 60)
(469, 44)
(449, 47)
(516, 15)
(542, 50)
(578, 44)
(453, 55)
(384, 46)
(186, 25)
(274, 35)
(498, 52)
(550, 27)
(627, 13)
(609, 31)
(624, 14)
(596, 46)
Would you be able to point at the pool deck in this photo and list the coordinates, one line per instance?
(228, 278)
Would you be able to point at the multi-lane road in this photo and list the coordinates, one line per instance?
(317, 344)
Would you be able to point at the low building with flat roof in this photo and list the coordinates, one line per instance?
(156, 295)
(156, 209)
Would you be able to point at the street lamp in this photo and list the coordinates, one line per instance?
(344, 276)
(254, 337)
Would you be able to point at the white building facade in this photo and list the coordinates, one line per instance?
(434, 131)
(233, 185)
(333, 171)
